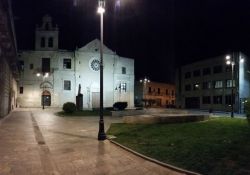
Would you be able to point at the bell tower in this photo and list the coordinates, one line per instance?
(46, 35)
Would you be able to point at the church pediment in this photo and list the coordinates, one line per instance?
(94, 46)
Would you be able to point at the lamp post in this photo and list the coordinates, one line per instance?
(231, 62)
(144, 81)
(101, 10)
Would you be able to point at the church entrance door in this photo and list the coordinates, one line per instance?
(46, 98)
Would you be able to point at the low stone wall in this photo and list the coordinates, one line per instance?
(165, 118)
(150, 111)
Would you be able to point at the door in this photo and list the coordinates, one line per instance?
(46, 98)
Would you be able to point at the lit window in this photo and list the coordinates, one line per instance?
(67, 63)
(218, 84)
(123, 87)
(229, 83)
(67, 85)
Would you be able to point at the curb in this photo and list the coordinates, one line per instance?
(180, 170)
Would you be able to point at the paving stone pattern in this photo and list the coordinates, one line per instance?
(36, 142)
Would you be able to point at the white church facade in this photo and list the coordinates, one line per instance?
(51, 76)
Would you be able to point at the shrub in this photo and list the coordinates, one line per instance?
(247, 110)
(69, 107)
(120, 105)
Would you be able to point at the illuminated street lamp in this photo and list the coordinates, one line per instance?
(144, 81)
(231, 62)
(101, 10)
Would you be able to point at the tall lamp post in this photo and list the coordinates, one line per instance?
(101, 10)
(230, 61)
(144, 81)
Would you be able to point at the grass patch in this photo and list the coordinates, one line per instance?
(83, 113)
(217, 146)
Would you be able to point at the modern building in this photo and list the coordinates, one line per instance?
(8, 60)
(208, 84)
(51, 76)
(154, 94)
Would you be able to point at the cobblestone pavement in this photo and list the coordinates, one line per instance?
(37, 142)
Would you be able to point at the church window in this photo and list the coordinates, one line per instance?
(67, 63)
(50, 44)
(123, 70)
(67, 85)
(42, 42)
(21, 90)
(45, 65)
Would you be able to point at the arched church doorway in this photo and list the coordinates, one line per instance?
(46, 98)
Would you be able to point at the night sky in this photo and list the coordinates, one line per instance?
(159, 34)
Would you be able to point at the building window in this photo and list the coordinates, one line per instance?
(218, 84)
(21, 64)
(196, 73)
(228, 99)
(45, 65)
(206, 100)
(67, 85)
(42, 44)
(206, 85)
(217, 99)
(172, 101)
(67, 63)
(188, 75)
(206, 71)
(149, 90)
(123, 70)
(229, 83)
(196, 86)
(159, 90)
(188, 87)
(31, 66)
(172, 92)
(166, 91)
(228, 68)
(50, 43)
(21, 90)
(217, 69)
(124, 87)
(167, 102)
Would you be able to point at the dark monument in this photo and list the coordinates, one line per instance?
(79, 100)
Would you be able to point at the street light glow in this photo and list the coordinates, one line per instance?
(38, 74)
(100, 10)
(242, 60)
(228, 62)
(228, 57)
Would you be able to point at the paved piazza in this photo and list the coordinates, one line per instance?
(38, 142)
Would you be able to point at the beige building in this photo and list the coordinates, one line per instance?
(8, 61)
(52, 76)
(155, 94)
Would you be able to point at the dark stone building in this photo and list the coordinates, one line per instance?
(8, 59)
